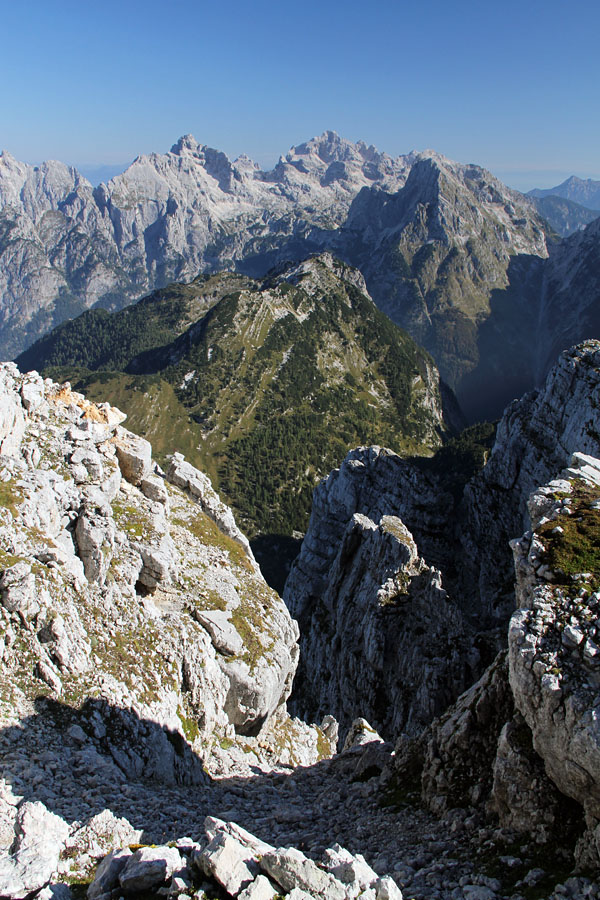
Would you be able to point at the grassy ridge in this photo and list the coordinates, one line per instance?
(264, 386)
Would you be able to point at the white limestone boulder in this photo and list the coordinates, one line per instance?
(39, 838)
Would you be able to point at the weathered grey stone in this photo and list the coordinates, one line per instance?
(260, 889)
(223, 634)
(154, 488)
(459, 746)
(107, 873)
(134, 455)
(159, 562)
(360, 585)
(18, 590)
(522, 794)
(254, 845)
(40, 836)
(292, 869)
(32, 392)
(95, 536)
(359, 734)
(12, 421)
(228, 862)
(150, 867)
(349, 869)
(387, 889)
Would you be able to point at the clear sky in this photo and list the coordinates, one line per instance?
(513, 86)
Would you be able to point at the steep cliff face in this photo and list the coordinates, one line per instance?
(452, 257)
(568, 307)
(340, 579)
(534, 712)
(131, 597)
(535, 439)
(554, 646)
(381, 637)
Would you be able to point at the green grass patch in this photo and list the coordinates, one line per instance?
(11, 496)
(209, 533)
(577, 548)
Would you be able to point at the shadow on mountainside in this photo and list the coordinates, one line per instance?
(56, 756)
(507, 344)
(275, 554)
(52, 756)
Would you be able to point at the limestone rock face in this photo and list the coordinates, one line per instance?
(534, 711)
(40, 836)
(554, 656)
(372, 482)
(380, 636)
(522, 794)
(459, 746)
(426, 248)
(132, 597)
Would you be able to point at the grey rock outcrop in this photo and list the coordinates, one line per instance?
(458, 746)
(135, 601)
(523, 741)
(553, 651)
(242, 866)
(39, 837)
(150, 867)
(401, 648)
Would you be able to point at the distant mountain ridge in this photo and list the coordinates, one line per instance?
(447, 251)
(585, 191)
(65, 246)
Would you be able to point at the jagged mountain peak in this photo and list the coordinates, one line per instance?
(187, 143)
(333, 162)
(8, 160)
(329, 147)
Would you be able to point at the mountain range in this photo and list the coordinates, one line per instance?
(462, 262)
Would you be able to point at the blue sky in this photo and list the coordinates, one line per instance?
(513, 86)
